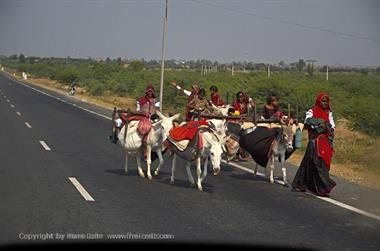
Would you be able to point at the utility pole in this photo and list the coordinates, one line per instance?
(327, 72)
(232, 69)
(163, 56)
(311, 70)
(268, 70)
(245, 60)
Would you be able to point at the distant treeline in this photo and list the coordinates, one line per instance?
(204, 64)
(354, 92)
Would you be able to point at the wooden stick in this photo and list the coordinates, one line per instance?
(220, 116)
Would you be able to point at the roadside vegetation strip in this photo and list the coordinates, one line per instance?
(329, 200)
(81, 189)
(44, 145)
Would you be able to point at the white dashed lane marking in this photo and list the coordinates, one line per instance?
(44, 145)
(81, 189)
(28, 125)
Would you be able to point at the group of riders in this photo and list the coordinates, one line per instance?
(313, 173)
(198, 105)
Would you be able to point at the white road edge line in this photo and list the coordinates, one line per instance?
(57, 98)
(18, 113)
(81, 189)
(44, 145)
(348, 207)
(337, 203)
(28, 125)
(329, 200)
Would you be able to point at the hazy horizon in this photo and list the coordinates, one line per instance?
(335, 32)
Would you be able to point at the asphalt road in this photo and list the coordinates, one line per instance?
(37, 199)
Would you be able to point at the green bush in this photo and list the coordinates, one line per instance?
(96, 89)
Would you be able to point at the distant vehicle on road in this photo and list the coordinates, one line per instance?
(72, 89)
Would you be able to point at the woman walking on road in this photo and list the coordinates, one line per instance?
(313, 173)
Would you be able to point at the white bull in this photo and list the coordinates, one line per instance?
(213, 146)
(133, 142)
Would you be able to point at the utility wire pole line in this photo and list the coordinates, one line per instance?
(311, 68)
(163, 56)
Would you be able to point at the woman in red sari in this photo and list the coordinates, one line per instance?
(313, 173)
(243, 103)
(215, 98)
(195, 88)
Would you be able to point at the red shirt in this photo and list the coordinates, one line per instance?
(216, 100)
(241, 107)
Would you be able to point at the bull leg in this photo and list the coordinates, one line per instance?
(173, 168)
(271, 179)
(189, 175)
(283, 168)
(159, 153)
(126, 164)
(255, 171)
(199, 172)
(149, 161)
(204, 169)
(138, 159)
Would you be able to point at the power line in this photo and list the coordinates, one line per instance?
(288, 22)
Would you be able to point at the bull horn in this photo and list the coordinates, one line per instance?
(159, 114)
(174, 117)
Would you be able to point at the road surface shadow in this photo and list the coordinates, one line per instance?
(186, 184)
(121, 172)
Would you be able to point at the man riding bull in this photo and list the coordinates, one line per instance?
(146, 106)
(271, 109)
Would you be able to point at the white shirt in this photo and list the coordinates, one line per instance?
(118, 122)
(309, 114)
(187, 93)
(138, 107)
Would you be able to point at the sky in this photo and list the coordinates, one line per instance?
(333, 32)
